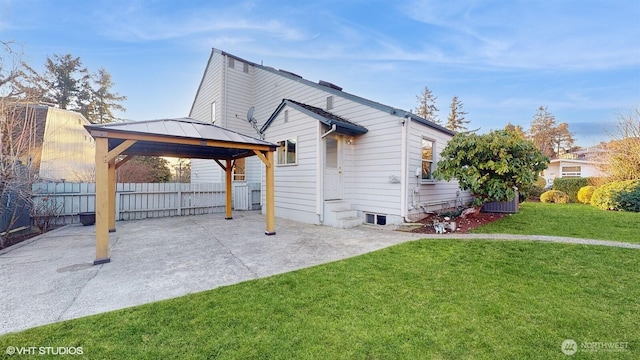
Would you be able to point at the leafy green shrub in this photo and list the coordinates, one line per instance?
(570, 186)
(585, 193)
(608, 196)
(535, 191)
(554, 196)
(629, 200)
(532, 191)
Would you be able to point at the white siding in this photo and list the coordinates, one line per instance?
(68, 150)
(432, 196)
(206, 171)
(295, 185)
(371, 166)
(209, 91)
(232, 91)
(587, 169)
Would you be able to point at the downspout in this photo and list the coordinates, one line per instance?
(333, 128)
(404, 166)
(319, 175)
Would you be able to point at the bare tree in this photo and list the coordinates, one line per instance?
(622, 160)
(18, 129)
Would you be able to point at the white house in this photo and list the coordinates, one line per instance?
(582, 163)
(342, 159)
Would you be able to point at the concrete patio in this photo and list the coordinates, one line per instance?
(52, 277)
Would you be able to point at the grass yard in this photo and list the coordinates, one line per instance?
(441, 299)
(573, 220)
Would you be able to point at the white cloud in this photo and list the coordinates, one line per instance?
(524, 34)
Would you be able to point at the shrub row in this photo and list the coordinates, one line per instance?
(618, 195)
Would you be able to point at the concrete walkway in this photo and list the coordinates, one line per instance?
(51, 277)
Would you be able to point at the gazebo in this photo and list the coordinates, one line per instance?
(117, 143)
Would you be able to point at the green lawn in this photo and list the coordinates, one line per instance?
(573, 220)
(439, 299)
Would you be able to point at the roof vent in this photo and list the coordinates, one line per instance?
(329, 85)
(290, 73)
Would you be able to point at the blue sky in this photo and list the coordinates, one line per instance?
(503, 59)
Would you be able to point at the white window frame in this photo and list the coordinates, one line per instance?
(571, 174)
(213, 112)
(239, 177)
(430, 179)
(279, 152)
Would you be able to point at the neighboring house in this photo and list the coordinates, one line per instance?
(581, 163)
(342, 159)
(63, 149)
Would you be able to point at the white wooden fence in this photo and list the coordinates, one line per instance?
(148, 200)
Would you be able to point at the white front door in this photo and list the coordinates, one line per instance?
(332, 168)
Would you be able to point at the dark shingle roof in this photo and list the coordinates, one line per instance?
(333, 90)
(343, 125)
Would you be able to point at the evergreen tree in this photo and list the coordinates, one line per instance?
(427, 106)
(70, 86)
(102, 101)
(456, 120)
(64, 78)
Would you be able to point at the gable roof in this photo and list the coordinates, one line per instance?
(328, 87)
(181, 137)
(343, 126)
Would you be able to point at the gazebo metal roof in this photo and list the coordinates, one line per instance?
(181, 137)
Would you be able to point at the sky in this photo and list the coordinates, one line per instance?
(503, 59)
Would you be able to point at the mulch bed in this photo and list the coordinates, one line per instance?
(463, 225)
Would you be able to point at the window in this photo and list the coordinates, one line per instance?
(287, 152)
(239, 170)
(375, 219)
(286, 116)
(571, 171)
(329, 102)
(427, 159)
(245, 68)
(213, 112)
(231, 63)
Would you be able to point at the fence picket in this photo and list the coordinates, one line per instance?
(141, 201)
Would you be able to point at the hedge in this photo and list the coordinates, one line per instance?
(570, 186)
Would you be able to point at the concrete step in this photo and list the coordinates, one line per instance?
(344, 214)
(337, 205)
(348, 223)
